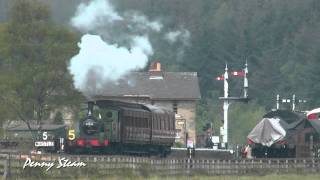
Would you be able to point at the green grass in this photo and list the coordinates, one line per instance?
(267, 177)
(199, 177)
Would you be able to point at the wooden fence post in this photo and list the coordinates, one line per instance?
(6, 172)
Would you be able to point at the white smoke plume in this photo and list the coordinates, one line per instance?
(182, 35)
(142, 21)
(120, 43)
(92, 15)
(111, 61)
(179, 39)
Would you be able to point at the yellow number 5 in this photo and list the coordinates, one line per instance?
(71, 134)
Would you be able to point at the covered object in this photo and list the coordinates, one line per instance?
(267, 132)
(284, 133)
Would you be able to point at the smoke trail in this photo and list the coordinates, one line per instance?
(182, 35)
(90, 16)
(115, 43)
(110, 61)
(120, 45)
(180, 39)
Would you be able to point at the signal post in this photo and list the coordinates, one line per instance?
(227, 100)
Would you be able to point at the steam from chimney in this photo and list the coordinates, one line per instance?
(182, 35)
(88, 17)
(111, 61)
(116, 45)
(179, 39)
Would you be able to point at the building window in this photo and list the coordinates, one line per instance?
(175, 107)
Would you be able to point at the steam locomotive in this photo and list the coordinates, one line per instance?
(119, 127)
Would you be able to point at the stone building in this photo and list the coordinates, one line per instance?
(178, 91)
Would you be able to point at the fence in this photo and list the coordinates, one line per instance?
(100, 166)
(4, 165)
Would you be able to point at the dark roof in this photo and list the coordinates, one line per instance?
(285, 115)
(122, 104)
(173, 86)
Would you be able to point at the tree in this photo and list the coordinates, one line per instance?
(58, 119)
(34, 79)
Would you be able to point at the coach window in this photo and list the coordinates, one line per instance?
(144, 122)
(147, 123)
(162, 123)
(138, 120)
(173, 122)
(175, 107)
(157, 121)
(166, 123)
(134, 122)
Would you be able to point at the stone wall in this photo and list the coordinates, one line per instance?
(187, 111)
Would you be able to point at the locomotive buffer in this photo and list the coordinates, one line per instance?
(227, 100)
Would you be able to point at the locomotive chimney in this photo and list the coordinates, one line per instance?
(90, 108)
(155, 71)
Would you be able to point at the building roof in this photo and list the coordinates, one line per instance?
(164, 86)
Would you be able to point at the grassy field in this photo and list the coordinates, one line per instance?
(268, 177)
(199, 177)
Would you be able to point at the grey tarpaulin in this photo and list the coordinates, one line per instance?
(267, 132)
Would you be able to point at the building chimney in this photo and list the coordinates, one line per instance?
(155, 71)
(155, 66)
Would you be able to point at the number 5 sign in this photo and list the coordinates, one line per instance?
(71, 134)
(45, 135)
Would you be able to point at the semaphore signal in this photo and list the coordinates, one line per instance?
(293, 101)
(220, 78)
(226, 99)
(238, 73)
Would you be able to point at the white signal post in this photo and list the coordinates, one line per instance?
(245, 81)
(226, 101)
(225, 107)
(293, 102)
